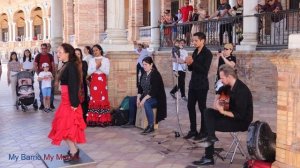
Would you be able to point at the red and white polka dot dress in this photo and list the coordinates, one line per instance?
(99, 105)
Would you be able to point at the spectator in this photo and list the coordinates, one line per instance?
(143, 53)
(225, 57)
(273, 6)
(237, 11)
(199, 14)
(13, 67)
(88, 54)
(186, 14)
(35, 52)
(166, 19)
(46, 77)
(99, 105)
(84, 90)
(225, 24)
(179, 68)
(27, 64)
(151, 93)
(179, 16)
(41, 58)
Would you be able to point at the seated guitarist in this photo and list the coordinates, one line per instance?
(236, 117)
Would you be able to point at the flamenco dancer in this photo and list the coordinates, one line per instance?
(99, 105)
(68, 123)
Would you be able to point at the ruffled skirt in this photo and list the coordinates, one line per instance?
(67, 123)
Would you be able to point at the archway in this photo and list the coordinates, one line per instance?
(37, 23)
(19, 29)
(4, 27)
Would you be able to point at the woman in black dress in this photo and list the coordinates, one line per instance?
(84, 94)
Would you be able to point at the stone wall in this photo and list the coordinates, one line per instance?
(254, 68)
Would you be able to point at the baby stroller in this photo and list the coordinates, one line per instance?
(25, 91)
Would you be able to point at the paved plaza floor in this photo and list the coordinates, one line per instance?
(113, 147)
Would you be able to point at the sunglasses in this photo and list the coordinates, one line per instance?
(226, 49)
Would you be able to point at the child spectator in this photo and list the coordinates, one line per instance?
(46, 77)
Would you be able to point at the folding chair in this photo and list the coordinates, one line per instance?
(235, 145)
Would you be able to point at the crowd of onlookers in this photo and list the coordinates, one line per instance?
(189, 20)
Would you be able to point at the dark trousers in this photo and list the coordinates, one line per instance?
(223, 28)
(52, 93)
(215, 121)
(139, 68)
(194, 96)
(181, 84)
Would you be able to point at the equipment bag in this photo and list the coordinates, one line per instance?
(261, 141)
(125, 103)
(120, 117)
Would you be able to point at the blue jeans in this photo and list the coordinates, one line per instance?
(41, 92)
(149, 104)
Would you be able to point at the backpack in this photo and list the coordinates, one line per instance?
(120, 117)
(261, 141)
(125, 103)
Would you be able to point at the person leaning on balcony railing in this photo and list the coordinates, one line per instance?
(225, 25)
(270, 6)
(237, 11)
(186, 14)
(166, 19)
(199, 14)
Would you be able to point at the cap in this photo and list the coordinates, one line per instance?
(229, 46)
(45, 64)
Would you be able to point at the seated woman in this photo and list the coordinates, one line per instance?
(151, 93)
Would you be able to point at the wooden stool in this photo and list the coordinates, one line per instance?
(141, 118)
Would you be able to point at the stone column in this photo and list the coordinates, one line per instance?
(9, 31)
(49, 27)
(30, 30)
(249, 26)
(288, 108)
(56, 23)
(135, 19)
(13, 31)
(116, 35)
(155, 17)
(44, 28)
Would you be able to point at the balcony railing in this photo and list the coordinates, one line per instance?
(217, 32)
(145, 32)
(274, 29)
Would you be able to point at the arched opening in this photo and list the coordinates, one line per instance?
(19, 19)
(4, 27)
(37, 23)
(146, 13)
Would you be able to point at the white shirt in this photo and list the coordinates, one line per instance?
(181, 67)
(47, 81)
(104, 68)
(27, 65)
(142, 54)
(54, 57)
(87, 58)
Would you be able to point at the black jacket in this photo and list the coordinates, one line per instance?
(200, 68)
(157, 91)
(241, 103)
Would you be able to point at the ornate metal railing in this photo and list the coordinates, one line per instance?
(274, 28)
(145, 32)
(218, 31)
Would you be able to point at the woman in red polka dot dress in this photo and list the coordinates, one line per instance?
(99, 106)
